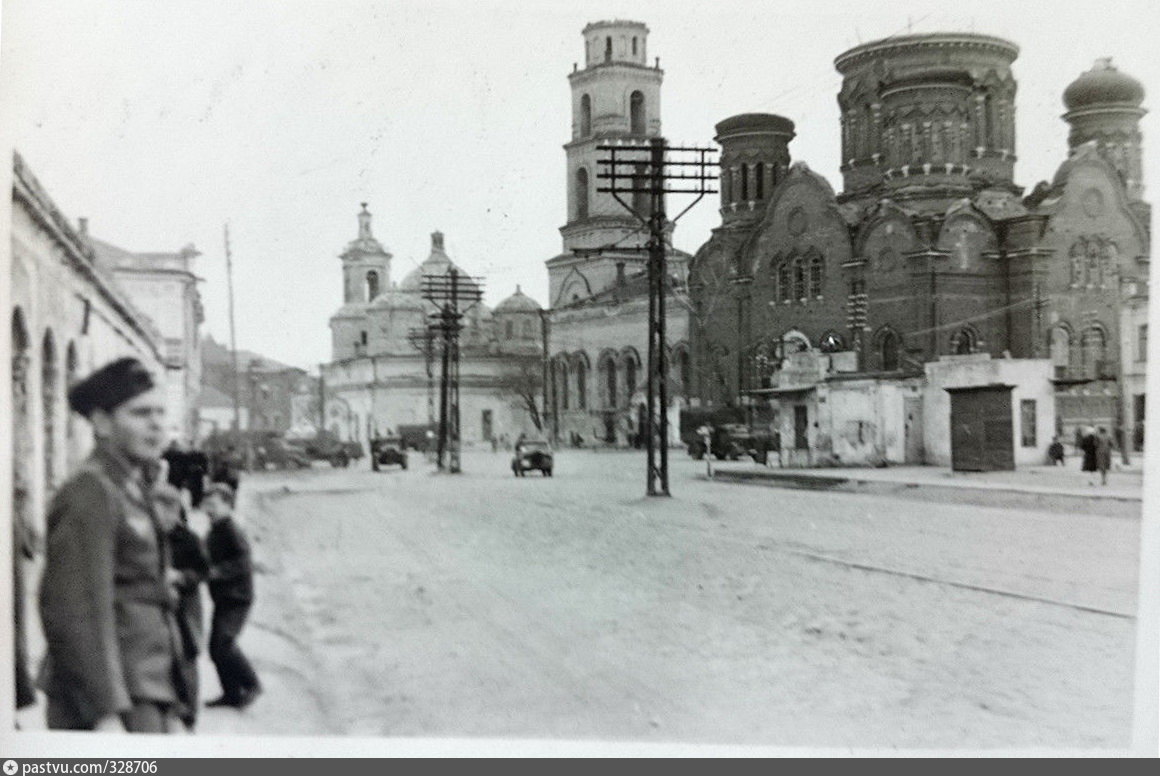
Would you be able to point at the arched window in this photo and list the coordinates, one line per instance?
(1094, 352)
(609, 369)
(581, 194)
(1060, 347)
(1095, 273)
(988, 121)
(508, 329)
(963, 342)
(629, 378)
(888, 347)
(726, 185)
(794, 342)
(1077, 259)
(745, 183)
(784, 281)
(48, 396)
(562, 365)
(581, 386)
(641, 200)
(372, 285)
(634, 45)
(816, 275)
(799, 280)
(636, 113)
(585, 116)
(759, 181)
(832, 342)
(608, 49)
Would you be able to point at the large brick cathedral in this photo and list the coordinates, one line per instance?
(931, 249)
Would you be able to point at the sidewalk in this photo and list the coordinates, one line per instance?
(1032, 487)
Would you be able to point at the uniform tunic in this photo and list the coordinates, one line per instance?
(106, 606)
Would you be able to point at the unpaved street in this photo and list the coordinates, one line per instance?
(413, 604)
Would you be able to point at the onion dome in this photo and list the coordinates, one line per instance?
(519, 302)
(1103, 85)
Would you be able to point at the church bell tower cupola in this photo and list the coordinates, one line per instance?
(366, 265)
(616, 96)
(1103, 105)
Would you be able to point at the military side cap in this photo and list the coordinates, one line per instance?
(110, 386)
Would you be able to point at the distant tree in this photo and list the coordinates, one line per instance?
(524, 383)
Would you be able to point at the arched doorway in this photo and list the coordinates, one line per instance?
(72, 440)
(49, 387)
(21, 501)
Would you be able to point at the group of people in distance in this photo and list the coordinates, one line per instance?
(120, 599)
(1096, 444)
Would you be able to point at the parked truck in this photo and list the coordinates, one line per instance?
(731, 436)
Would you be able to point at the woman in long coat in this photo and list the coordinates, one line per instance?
(1088, 445)
(1103, 455)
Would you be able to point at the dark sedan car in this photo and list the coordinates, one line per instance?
(388, 451)
(533, 454)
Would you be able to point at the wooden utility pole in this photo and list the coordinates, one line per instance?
(233, 333)
(695, 173)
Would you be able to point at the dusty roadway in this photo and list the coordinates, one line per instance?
(413, 604)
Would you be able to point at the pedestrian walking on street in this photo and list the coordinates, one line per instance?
(191, 567)
(226, 468)
(231, 586)
(1088, 446)
(1103, 454)
(1055, 452)
(105, 598)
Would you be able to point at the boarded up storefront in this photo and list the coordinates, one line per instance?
(982, 437)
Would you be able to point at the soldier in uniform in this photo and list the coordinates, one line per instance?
(106, 598)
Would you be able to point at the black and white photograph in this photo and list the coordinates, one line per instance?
(623, 378)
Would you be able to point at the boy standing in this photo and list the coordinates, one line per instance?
(231, 586)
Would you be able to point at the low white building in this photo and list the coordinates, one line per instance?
(971, 412)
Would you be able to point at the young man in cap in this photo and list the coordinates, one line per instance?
(106, 599)
(231, 586)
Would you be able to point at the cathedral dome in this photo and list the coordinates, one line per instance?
(519, 302)
(395, 299)
(1103, 85)
(436, 263)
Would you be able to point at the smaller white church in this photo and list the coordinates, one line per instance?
(382, 377)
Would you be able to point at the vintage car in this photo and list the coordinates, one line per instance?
(275, 452)
(533, 454)
(326, 446)
(388, 451)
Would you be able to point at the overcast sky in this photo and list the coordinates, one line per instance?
(161, 120)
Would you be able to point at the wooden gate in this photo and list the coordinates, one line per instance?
(982, 437)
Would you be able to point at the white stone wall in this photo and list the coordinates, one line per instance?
(387, 392)
(51, 280)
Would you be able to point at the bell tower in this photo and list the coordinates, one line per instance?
(615, 97)
(366, 265)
